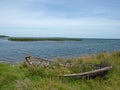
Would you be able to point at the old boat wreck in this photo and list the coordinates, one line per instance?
(91, 74)
(99, 69)
(36, 62)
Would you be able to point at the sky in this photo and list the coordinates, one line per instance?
(60, 18)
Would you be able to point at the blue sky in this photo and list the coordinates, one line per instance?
(60, 18)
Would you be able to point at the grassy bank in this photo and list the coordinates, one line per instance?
(43, 39)
(21, 77)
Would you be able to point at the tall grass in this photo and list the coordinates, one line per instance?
(22, 77)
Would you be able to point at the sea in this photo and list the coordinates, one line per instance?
(15, 51)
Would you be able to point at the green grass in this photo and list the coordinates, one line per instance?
(43, 39)
(21, 77)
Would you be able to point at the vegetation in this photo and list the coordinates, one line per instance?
(3, 36)
(22, 77)
(43, 39)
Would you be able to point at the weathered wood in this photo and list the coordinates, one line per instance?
(90, 74)
(35, 61)
(99, 70)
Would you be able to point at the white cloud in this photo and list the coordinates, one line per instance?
(86, 23)
(58, 15)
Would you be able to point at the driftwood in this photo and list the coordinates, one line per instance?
(90, 74)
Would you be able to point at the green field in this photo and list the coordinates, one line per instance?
(22, 77)
(43, 39)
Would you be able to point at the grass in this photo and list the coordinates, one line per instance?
(22, 77)
(43, 39)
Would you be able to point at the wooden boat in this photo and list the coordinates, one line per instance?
(99, 69)
(90, 74)
(35, 61)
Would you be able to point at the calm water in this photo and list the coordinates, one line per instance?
(12, 51)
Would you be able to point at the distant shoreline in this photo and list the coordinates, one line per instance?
(3, 36)
(58, 38)
(43, 39)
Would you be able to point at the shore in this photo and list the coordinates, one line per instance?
(20, 76)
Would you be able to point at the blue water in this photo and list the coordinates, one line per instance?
(13, 52)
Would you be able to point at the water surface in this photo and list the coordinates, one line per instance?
(13, 51)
